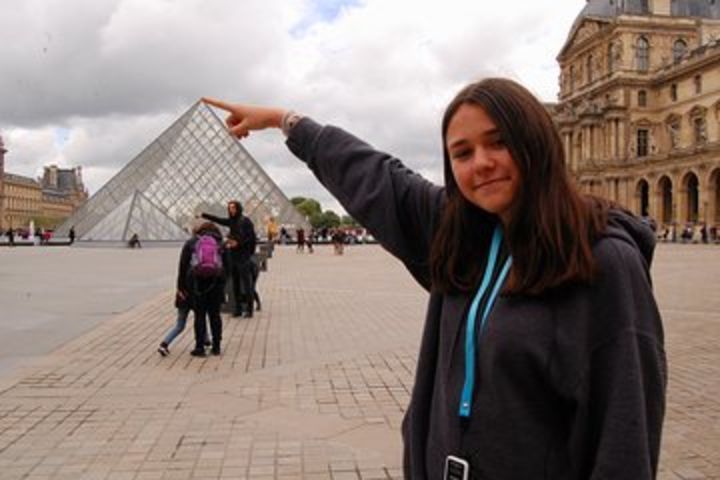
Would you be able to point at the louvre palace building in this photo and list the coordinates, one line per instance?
(639, 106)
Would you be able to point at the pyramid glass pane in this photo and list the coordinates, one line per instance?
(194, 166)
(111, 227)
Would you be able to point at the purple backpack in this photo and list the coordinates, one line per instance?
(206, 261)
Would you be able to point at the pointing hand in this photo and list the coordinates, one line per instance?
(244, 118)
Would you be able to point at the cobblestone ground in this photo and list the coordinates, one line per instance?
(313, 387)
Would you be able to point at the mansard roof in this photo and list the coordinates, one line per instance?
(605, 11)
(678, 8)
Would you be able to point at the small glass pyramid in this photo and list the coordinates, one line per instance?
(194, 166)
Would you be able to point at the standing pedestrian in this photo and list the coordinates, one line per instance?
(241, 243)
(300, 236)
(309, 241)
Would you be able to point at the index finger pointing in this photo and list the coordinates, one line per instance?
(217, 103)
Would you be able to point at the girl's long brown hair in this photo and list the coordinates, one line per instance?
(552, 227)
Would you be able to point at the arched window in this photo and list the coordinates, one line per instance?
(642, 98)
(642, 54)
(673, 92)
(692, 204)
(698, 83)
(589, 68)
(610, 53)
(572, 78)
(643, 198)
(679, 49)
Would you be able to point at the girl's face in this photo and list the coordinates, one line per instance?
(484, 170)
(232, 209)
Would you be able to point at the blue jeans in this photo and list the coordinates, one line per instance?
(182, 314)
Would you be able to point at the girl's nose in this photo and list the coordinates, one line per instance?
(483, 160)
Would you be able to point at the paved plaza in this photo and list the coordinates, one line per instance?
(313, 387)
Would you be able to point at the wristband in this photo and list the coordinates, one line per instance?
(289, 120)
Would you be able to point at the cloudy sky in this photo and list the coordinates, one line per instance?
(92, 82)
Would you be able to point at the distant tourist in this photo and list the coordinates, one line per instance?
(271, 230)
(240, 244)
(11, 237)
(697, 233)
(134, 241)
(71, 234)
(542, 352)
(309, 241)
(300, 236)
(338, 240)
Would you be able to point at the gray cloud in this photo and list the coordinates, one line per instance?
(113, 74)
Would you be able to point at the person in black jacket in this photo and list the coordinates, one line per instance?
(241, 243)
(204, 294)
(542, 353)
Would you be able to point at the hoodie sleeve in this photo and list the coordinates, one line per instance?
(621, 389)
(220, 221)
(396, 205)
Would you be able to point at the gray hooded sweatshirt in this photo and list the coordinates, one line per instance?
(570, 385)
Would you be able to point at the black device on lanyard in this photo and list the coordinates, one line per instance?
(456, 468)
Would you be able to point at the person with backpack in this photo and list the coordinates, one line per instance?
(183, 304)
(255, 269)
(240, 246)
(201, 284)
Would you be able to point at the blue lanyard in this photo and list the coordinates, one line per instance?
(470, 347)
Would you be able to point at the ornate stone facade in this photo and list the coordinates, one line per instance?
(22, 201)
(3, 151)
(47, 201)
(639, 107)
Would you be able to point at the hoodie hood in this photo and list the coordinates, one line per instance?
(239, 209)
(632, 230)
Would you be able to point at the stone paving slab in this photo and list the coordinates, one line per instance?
(313, 387)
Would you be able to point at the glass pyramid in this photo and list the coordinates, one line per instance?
(194, 166)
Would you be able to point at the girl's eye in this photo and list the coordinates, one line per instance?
(461, 154)
(497, 143)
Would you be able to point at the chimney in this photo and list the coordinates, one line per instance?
(78, 179)
(53, 174)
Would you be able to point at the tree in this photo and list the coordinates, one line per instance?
(327, 219)
(348, 221)
(308, 207)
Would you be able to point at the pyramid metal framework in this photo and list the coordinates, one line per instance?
(194, 166)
